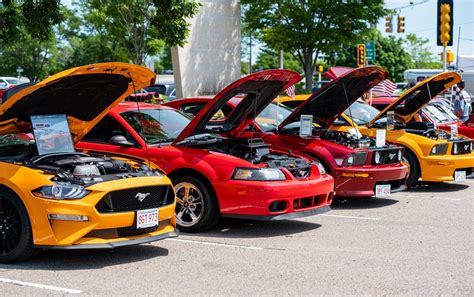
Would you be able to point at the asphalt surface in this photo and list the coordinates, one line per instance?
(418, 242)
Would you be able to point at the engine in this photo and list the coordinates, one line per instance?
(84, 169)
(347, 139)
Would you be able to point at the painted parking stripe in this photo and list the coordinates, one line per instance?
(39, 286)
(350, 217)
(424, 197)
(217, 244)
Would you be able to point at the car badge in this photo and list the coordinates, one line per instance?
(141, 196)
(392, 155)
(466, 147)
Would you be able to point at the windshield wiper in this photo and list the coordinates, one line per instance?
(161, 141)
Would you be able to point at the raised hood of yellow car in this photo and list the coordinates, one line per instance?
(85, 94)
(409, 103)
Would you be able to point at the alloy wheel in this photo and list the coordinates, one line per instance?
(190, 204)
(10, 227)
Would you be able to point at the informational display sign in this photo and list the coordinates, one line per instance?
(454, 131)
(390, 120)
(306, 125)
(370, 51)
(52, 134)
(380, 137)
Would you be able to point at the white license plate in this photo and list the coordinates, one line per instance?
(382, 191)
(460, 176)
(147, 218)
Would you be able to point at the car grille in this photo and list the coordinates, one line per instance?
(461, 148)
(125, 231)
(136, 199)
(389, 156)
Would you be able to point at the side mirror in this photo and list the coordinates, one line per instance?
(120, 140)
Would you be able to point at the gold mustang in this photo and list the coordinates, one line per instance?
(54, 197)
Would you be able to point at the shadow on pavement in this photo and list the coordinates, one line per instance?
(438, 187)
(235, 228)
(88, 259)
(362, 203)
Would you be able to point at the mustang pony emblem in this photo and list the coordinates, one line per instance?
(392, 155)
(141, 196)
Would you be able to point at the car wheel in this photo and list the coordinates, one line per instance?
(16, 240)
(413, 170)
(196, 208)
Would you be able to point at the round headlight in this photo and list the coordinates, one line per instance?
(350, 160)
(433, 150)
(455, 148)
(400, 155)
(377, 158)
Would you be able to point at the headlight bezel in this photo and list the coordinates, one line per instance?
(61, 191)
(260, 174)
(439, 149)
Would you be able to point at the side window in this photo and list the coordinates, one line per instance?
(105, 129)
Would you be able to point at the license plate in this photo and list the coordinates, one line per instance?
(147, 218)
(460, 176)
(382, 191)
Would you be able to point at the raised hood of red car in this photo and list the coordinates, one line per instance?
(257, 91)
(326, 104)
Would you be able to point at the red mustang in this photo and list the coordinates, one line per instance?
(358, 166)
(219, 175)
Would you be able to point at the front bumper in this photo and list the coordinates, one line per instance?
(360, 181)
(255, 199)
(100, 229)
(442, 168)
(286, 216)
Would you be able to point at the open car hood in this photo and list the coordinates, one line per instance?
(257, 91)
(85, 94)
(418, 96)
(327, 103)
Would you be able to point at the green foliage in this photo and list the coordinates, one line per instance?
(310, 28)
(420, 54)
(391, 55)
(268, 59)
(164, 61)
(32, 17)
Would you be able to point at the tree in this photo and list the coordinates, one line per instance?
(33, 17)
(420, 53)
(309, 28)
(142, 27)
(268, 59)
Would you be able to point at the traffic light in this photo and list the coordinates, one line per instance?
(445, 22)
(401, 24)
(449, 57)
(320, 69)
(388, 24)
(360, 55)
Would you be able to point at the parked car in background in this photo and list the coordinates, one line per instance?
(8, 82)
(165, 88)
(215, 171)
(66, 199)
(357, 165)
(433, 154)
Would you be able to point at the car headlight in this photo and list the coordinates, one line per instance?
(321, 168)
(258, 174)
(400, 155)
(439, 149)
(355, 159)
(61, 191)
(377, 157)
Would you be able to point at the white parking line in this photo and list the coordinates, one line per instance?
(217, 244)
(350, 217)
(40, 286)
(423, 197)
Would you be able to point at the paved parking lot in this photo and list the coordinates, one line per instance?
(416, 242)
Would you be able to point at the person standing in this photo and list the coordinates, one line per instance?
(462, 102)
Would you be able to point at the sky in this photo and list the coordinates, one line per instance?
(421, 19)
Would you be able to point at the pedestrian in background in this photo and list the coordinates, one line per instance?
(462, 102)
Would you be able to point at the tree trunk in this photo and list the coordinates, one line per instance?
(308, 70)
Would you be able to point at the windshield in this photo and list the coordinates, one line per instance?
(271, 116)
(361, 113)
(157, 125)
(12, 81)
(438, 114)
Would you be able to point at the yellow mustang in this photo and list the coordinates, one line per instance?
(433, 155)
(54, 197)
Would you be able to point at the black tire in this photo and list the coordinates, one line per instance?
(414, 170)
(209, 212)
(16, 239)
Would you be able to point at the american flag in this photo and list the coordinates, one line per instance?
(291, 91)
(386, 87)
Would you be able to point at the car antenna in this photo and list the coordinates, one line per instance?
(140, 120)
